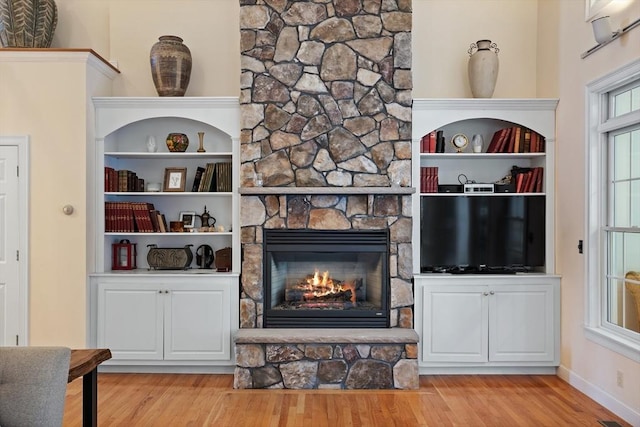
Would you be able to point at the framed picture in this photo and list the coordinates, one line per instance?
(188, 219)
(174, 179)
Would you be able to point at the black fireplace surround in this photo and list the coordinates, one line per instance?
(326, 278)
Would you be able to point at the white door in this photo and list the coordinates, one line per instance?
(455, 324)
(521, 323)
(197, 321)
(130, 317)
(10, 285)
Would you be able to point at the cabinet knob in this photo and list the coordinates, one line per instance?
(486, 293)
(492, 293)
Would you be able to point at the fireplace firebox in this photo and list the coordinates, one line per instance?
(326, 278)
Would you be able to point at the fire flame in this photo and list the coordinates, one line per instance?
(325, 285)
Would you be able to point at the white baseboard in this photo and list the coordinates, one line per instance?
(602, 397)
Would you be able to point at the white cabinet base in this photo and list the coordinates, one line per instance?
(488, 323)
(156, 321)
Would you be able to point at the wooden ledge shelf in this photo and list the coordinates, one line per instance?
(326, 190)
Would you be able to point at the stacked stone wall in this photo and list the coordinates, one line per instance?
(325, 102)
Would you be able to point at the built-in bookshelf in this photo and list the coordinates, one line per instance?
(484, 319)
(177, 309)
(516, 169)
(134, 199)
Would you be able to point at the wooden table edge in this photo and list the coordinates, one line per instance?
(84, 361)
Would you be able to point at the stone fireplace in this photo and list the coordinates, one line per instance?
(326, 278)
(326, 135)
(326, 111)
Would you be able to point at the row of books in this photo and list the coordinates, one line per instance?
(131, 217)
(429, 179)
(516, 139)
(213, 177)
(433, 142)
(527, 180)
(121, 180)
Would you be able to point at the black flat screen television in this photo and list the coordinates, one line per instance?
(482, 232)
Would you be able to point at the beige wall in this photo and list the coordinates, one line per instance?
(585, 359)
(54, 116)
(540, 44)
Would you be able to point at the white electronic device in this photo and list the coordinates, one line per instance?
(478, 188)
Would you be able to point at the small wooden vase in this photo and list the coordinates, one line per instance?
(201, 139)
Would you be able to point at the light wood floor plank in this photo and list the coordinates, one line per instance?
(210, 400)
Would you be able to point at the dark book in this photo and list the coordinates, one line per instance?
(439, 141)
(153, 215)
(517, 139)
(526, 147)
(197, 178)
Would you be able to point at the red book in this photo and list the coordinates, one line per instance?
(494, 141)
(519, 180)
(503, 142)
(432, 142)
(529, 181)
(509, 147)
(534, 143)
(138, 216)
(435, 179)
(539, 180)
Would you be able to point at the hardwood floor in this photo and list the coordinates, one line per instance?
(210, 400)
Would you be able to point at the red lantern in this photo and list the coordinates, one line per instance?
(123, 255)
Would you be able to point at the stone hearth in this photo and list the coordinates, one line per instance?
(327, 359)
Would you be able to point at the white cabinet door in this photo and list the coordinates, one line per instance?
(197, 322)
(521, 323)
(455, 324)
(130, 317)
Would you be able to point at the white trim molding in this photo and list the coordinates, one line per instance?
(22, 142)
(594, 392)
(615, 339)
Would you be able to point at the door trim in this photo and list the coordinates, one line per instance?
(22, 142)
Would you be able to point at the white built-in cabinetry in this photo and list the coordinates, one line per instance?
(486, 322)
(180, 319)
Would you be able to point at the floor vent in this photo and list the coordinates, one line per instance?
(609, 423)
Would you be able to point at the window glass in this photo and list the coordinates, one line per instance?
(614, 210)
(626, 101)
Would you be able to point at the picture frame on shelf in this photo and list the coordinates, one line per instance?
(188, 219)
(174, 179)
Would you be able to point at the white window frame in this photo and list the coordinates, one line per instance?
(598, 127)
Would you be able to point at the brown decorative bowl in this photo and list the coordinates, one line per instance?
(177, 142)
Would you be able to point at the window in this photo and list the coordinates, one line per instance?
(613, 226)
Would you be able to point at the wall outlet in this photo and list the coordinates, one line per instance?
(620, 379)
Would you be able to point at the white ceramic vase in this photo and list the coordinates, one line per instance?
(152, 147)
(483, 68)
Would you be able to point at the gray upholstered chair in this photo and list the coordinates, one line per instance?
(33, 383)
